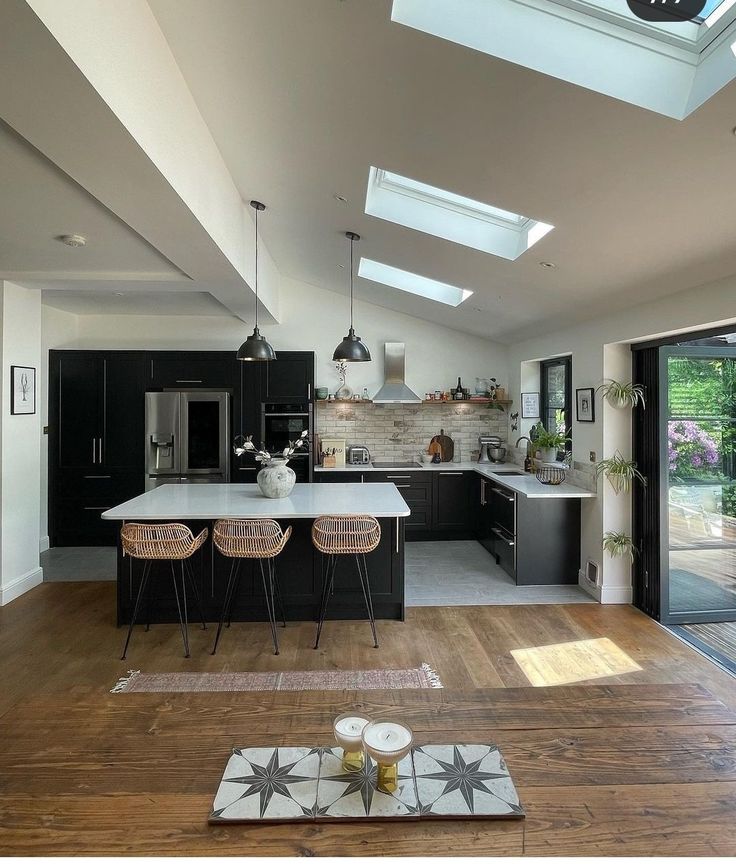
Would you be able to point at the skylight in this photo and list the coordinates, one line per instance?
(453, 217)
(412, 283)
(671, 67)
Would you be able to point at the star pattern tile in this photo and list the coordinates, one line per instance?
(262, 784)
(464, 780)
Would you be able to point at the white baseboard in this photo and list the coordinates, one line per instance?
(616, 594)
(20, 585)
(44, 544)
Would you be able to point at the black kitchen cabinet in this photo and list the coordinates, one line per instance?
(96, 428)
(184, 370)
(453, 501)
(290, 377)
(417, 490)
(484, 513)
(338, 476)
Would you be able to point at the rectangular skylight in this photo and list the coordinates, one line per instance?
(412, 283)
(453, 217)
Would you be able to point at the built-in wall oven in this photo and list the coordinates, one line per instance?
(187, 437)
(282, 422)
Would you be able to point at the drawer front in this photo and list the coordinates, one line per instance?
(98, 484)
(420, 518)
(337, 476)
(505, 549)
(79, 523)
(503, 507)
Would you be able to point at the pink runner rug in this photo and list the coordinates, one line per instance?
(135, 681)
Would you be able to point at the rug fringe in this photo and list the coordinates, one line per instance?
(432, 676)
(123, 683)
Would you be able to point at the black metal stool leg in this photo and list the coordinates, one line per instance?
(148, 603)
(268, 591)
(225, 603)
(184, 634)
(234, 593)
(141, 589)
(277, 588)
(326, 592)
(195, 590)
(365, 585)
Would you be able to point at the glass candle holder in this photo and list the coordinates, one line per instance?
(348, 729)
(387, 742)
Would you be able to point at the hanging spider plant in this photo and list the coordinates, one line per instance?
(620, 472)
(618, 544)
(622, 394)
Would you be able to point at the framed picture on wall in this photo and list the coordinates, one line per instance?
(585, 399)
(22, 390)
(530, 405)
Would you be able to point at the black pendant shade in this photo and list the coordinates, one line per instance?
(256, 347)
(351, 349)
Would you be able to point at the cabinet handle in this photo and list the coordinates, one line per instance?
(188, 380)
(97, 476)
(106, 507)
(398, 477)
(247, 469)
(451, 473)
(99, 451)
(403, 485)
(309, 391)
(94, 460)
(499, 492)
(483, 501)
(503, 538)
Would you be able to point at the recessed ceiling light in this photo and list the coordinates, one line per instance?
(340, 198)
(72, 239)
(119, 294)
(549, 265)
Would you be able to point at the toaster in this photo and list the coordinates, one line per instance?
(358, 455)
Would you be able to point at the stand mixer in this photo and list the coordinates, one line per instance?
(490, 449)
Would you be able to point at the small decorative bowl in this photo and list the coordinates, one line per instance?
(321, 393)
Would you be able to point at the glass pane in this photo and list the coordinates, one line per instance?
(701, 432)
(204, 435)
(556, 386)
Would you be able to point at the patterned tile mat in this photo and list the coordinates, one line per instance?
(279, 784)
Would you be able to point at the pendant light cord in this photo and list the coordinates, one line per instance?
(256, 268)
(352, 241)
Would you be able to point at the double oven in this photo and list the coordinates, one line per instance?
(284, 422)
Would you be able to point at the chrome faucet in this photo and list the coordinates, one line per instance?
(528, 444)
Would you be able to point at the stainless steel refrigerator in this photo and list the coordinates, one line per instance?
(187, 437)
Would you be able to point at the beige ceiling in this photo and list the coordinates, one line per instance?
(303, 97)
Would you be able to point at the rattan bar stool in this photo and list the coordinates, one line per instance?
(261, 539)
(346, 535)
(168, 542)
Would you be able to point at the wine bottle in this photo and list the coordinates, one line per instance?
(457, 393)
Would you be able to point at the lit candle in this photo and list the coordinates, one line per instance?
(348, 729)
(387, 743)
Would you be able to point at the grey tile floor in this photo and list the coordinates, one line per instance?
(443, 573)
(463, 573)
(79, 564)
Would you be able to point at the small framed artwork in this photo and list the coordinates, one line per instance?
(22, 390)
(530, 404)
(585, 405)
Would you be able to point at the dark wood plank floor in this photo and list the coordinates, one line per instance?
(638, 764)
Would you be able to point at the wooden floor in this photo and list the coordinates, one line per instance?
(646, 767)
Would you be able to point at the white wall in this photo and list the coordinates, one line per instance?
(593, 359)
(315, 319)
(19, 441)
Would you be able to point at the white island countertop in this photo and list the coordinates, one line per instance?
(506, 474)
(210, 501)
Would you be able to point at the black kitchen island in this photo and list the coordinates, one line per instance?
(300, 566)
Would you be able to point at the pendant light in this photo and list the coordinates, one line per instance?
(351, 349)
(256, 347)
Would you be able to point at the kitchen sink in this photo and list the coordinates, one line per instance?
(508, 472)
(378, 464)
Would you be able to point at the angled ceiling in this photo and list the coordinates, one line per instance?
(302, 98)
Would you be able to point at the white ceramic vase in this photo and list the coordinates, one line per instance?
(276, 479)
(548, 454)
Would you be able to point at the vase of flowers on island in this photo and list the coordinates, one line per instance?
(275, 479)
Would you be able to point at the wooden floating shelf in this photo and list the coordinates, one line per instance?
(344, 401)
(485, 403)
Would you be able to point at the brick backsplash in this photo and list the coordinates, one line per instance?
(402, 431)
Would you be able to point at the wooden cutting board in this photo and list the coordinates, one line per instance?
(446, 445)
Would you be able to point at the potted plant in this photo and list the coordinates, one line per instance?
(618, 544)
(622, 394)
(621, 472)
(275, 479)
(550, 443)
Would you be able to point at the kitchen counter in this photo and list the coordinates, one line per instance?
(300, 566)
(527, 485)
(208, 501)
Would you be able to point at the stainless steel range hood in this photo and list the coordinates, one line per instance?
(394, 387)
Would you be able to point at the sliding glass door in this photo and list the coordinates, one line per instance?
(697, 488)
